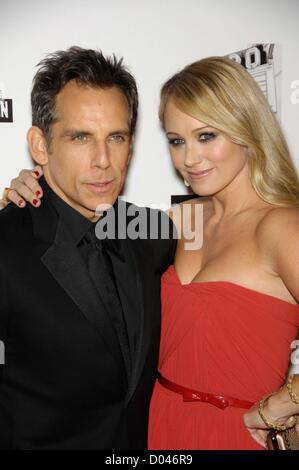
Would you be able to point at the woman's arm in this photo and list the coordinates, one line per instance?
(278, 237)
(278, 409)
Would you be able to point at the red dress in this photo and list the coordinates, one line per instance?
(221, 338)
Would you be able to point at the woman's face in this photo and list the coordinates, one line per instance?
(205, 158)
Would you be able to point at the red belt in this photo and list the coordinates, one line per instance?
(188, 394)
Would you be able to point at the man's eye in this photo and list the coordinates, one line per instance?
(175, 142)
(206, 136)
(117, 138)
(81, 138)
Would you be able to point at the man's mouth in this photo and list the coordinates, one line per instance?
(100, 186)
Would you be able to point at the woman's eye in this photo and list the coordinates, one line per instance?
(175, 142)
(206, 136)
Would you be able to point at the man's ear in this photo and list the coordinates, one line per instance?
(37, 145)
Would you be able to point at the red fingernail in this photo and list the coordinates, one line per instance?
(35, 201)
(20, 203)
(36, 172)
(38, 193)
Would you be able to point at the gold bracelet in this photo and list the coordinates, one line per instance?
(279, 427)
(293, 395)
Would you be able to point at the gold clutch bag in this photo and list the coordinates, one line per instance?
(283, 440)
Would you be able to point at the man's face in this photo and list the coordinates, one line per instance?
(90, 147)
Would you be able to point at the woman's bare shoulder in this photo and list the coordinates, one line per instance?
(278, 239)
(276, 216)
(278, 225)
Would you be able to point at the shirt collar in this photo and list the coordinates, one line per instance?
(76, 223)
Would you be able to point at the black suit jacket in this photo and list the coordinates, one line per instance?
(64, 383)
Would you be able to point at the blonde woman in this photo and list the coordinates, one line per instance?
(230, 307)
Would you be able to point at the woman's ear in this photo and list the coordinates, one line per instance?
(37, 145)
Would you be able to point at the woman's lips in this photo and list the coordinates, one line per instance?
(199, 174)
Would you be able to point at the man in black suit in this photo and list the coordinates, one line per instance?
(79, 316)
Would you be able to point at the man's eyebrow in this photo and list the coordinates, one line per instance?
(120, 131)
(72, 132)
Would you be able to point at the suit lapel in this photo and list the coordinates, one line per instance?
(141, 264)
(64, 262)
(131, 295)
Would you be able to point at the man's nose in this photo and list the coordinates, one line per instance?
(101, 156)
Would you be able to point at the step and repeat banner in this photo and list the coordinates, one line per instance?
(156, 39)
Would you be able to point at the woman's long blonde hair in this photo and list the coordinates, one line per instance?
(222, 94)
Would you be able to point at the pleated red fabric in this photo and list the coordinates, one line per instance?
(221, 338)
